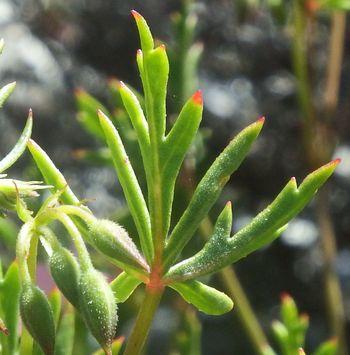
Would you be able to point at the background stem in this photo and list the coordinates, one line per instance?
(318, 145)
(244, 311)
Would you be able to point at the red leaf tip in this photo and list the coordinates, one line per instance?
(197, 98)
(136, 15)
(121, 84)
(335, 161)
(79, 91)
(285, 296)
(261, 119)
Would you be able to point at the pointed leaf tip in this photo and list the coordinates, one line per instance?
(228, 204)
(261, 120)
(121, 84)
(79, 91)
(285, 296)
(197, 97)
(137, 16)
(335, 162)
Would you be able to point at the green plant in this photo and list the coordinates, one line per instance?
(291, 330)
(157, 264)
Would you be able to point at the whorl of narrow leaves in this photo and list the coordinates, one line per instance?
(222, 250)
(98, 307)
(37, 316)
(163, 154)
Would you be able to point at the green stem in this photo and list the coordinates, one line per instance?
(300, 68)
(143, 323)
(52, 214)
(82, 213)
(78, 241)
(300, 65)
(26, 346)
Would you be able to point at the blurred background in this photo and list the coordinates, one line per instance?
(287, 60)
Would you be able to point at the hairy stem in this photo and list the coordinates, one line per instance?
(143, 323)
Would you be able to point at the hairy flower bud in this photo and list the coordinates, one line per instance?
(37, 316)
(112, 240)
(65, 271)
(10, 189)
(98, 307)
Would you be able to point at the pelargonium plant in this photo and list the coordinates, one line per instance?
(157, 264)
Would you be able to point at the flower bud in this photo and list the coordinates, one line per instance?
(98, 307)
(10, 189)
(37, 316)
(112, 240)
(65, 271)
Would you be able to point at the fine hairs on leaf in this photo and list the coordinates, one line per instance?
(154, 259)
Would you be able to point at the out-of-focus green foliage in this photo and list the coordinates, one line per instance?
(291, 330)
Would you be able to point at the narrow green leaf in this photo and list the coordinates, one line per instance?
(175, 146)
(55, 300)
(90, 124)
(203, 297)
(156, 72)
(289, 311)
(221, 250)
(130, 185)
(123, 286)
(114, 88)
(137, 118)
(9, 297)
(329, 347)
(65, 334)
(209, 189)
(5, 92)
(146, 38)
(88, 107)
(281, 334)
(51, 174)
(20, 146)
(207, 259)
